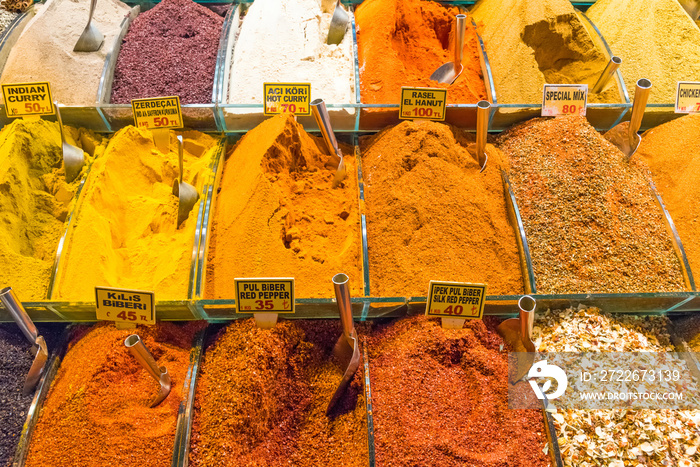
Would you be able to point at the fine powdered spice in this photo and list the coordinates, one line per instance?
(402, 42)
(125, 233)
(672, 152)
(432, 216)
(262, 396)
(656, 39)
(44, 51)
(440, 398)
(285, 41)
(35, 201)
(532, 43)
(15, 361)
(170, 50)
(590, 218)
(617, 438)
(98, 409)
(276, 214)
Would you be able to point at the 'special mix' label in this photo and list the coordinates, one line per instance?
(265, 295)
(27, 99)
(127, 306)
(423, 103)
(564, 99)
(456, 300)
(157, 113)
(287, 97)
(687, 97)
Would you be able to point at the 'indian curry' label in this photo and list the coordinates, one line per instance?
(27, 99)
(456, 300)
(423, 103)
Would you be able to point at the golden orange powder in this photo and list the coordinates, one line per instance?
(276, 214)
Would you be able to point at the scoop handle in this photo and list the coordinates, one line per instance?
(526, 312)
(93, 3)
(341, 284)
(180, 155)
(19, 314)
(60, 121)
(461, 29)
(641, 95)
(323, 120)
(143, 356)
(482, 130)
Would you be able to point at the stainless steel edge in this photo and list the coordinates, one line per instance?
(104, 90)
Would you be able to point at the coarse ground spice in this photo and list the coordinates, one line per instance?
(689, 328)
(35, 200)
(125, 231)
(262, 395)
(440, 398)
(44, 51)
(432, 216)
(98, 410)
(530, 43)
(590, 218)
(672, 153)
(170, 50)
(656, 39)
(6, 18)
(15, 361)
(276, 214)
(617, 438)
(402, 42)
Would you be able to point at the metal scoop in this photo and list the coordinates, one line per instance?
(482, 131)
(41, 354)
(450, 71)
(323, 120)
(692, 7)
(346, 349)
(624, 135)
(73, 157)
(187, 194)
(607, 73)
(339, 24)
(518, 333)
(144, 357)
(91, 39)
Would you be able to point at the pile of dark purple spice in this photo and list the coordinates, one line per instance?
(170, 50)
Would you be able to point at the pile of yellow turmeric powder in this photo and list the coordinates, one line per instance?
(125, 233)
(276, 214)
(35, 201)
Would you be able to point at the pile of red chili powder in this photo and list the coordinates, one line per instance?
(440, 398)
(98, 412)
(170, 50)
(262, 396)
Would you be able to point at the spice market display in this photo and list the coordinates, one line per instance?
(226, 279)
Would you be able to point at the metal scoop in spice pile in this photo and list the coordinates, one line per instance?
(91, 39)
(323, 120)
(41, 353)
(624, 135)
(144, 357)
(478, 150)
(73, 158)
(187, 195)
(347, 349)
(339, 24)
(450, 71)
(518, 333)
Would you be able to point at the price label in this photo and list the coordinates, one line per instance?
(423, 103)
(265, 295)
(27, 99)
(456, 300)
(127, 306)
(564, 99)
(157, 113)
(287, 97)
(687, 97)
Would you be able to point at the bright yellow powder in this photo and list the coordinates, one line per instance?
(35, 201)
(533, 42)
(125, 234)
(656, 39)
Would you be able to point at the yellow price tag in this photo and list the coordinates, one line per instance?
(423, 103)
(456, 300)
(157, 113)
(27, 99)
(564, 99)
(287, 97)
(265, 295)
(687, 97)
(126, 306)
